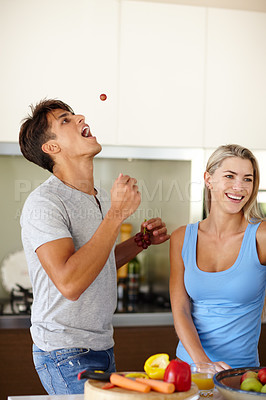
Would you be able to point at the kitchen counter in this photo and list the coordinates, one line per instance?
(162, 318)
(216, 396)
(143, 319)
(157, 318)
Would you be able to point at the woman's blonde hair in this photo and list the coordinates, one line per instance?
(251, 209)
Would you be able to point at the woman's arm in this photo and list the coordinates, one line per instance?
(261, 242)
(261, 249)
(180, 303)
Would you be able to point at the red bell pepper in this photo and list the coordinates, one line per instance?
(178, 372)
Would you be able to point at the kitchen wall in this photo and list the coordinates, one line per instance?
(191, 70)
(164, 185)
(254, 5)
(177, 73)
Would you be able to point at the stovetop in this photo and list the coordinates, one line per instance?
(21, 300)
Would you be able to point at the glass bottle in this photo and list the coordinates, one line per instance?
(121, 295)
(133, 281)
(122, 290)
(125, 234)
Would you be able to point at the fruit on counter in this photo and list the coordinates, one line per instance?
(178, 372)
(253, 381)
(262, 375)
(158, 385)
(251, 385)
(248, 374)
(155, 365)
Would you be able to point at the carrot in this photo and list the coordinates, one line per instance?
(128, 383)
(157, 385)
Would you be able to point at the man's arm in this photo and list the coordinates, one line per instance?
(73, 271)
(127, 250)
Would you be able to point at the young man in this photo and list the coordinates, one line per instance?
(69, 229)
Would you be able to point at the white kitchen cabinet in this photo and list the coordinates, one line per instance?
(59, 49)
(174, 75)
(236, 79)
(161, 74)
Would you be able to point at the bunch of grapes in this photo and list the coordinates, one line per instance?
(143, 239)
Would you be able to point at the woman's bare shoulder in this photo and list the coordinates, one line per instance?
(262, 227)
(261, 232)
(178, 234)
(261, 242)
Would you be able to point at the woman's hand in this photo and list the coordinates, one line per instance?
(220, 366)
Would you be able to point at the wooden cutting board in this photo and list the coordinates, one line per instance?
(93, 391)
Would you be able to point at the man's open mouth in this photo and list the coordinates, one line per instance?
(86, 132)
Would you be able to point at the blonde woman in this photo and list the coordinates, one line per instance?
(218, 267)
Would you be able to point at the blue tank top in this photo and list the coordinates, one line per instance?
(226, 306)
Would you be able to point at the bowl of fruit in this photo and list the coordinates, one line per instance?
(241, 383)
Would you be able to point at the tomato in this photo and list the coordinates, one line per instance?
(178, 372)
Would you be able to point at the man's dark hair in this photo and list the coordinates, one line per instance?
(35, 131)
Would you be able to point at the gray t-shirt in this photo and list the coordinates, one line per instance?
(54, 211)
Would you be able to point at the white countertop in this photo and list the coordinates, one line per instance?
(19, 321)
(143, 319)
(216, 396)
(55, 397)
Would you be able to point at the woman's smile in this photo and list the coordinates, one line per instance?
(235, 198)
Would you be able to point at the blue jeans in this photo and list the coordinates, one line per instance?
(58, 370)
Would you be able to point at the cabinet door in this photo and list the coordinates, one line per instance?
(161, 76)
(133, 345)
(236, 78)
(18, 374)
(59, 49)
